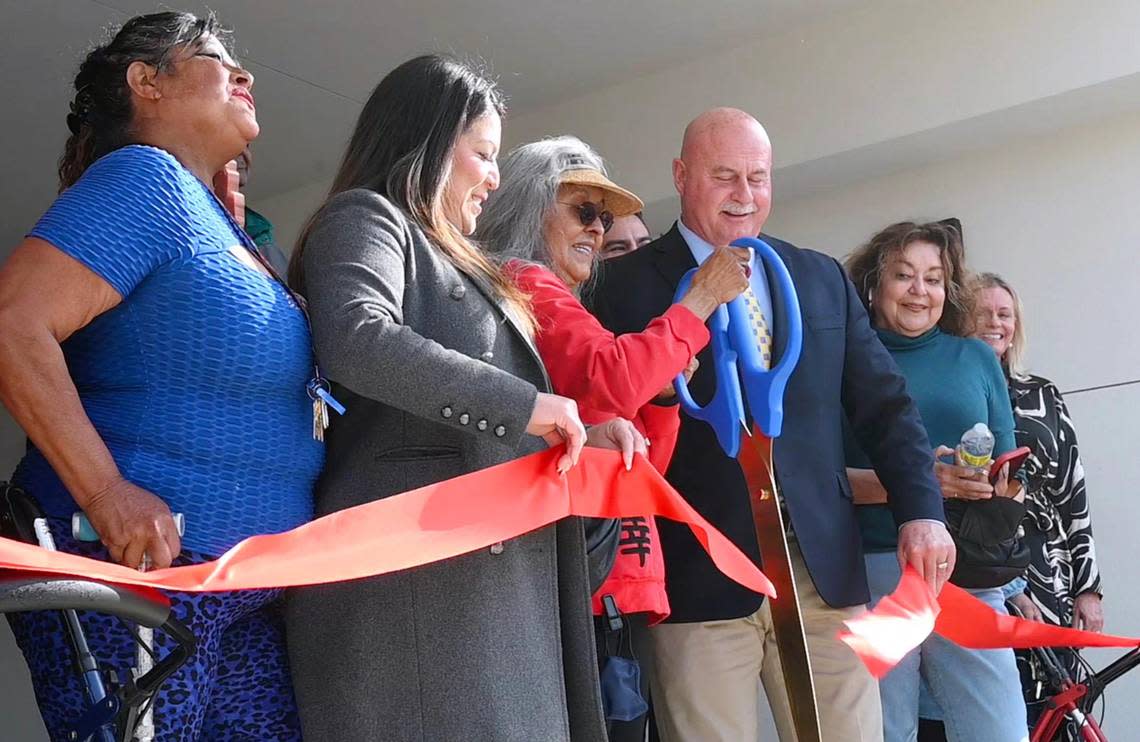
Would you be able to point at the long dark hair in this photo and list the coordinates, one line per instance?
(865, 266)
(402, 148)
(101, 114)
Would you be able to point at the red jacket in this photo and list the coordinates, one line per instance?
(611, 376)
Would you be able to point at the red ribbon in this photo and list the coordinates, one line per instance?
(471, 512)
(902, 620)
(425, 525)
(897, 624)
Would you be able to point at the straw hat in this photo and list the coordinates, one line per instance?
(618, 200)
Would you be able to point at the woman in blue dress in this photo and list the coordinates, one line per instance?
(159, 367)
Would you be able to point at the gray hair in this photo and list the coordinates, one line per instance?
(1014, 360)
(512, 219)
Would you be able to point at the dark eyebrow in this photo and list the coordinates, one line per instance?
(911, 266)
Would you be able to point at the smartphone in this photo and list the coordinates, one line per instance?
(1014, 458)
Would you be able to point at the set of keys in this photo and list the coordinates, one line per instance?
(320, 419)
(318, 390)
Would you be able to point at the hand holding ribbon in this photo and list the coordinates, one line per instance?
(425, 525)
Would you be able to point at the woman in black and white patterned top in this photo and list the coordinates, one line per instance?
(1064, 581)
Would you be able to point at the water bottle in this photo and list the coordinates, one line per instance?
(977, 447)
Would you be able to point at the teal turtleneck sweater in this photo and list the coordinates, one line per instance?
(956, 382)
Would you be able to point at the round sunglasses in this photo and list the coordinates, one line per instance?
(588, 211)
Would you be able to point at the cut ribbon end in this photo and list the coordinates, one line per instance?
(901, 621)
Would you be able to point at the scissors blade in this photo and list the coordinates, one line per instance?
(756, 461)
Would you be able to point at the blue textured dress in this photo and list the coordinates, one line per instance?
(196, 381)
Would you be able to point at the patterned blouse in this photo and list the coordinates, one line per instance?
(1058, 527)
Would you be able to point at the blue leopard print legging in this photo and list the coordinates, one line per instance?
(235, 686)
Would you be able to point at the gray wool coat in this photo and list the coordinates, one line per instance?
(438, 381)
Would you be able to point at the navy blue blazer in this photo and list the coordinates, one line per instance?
(843, 369)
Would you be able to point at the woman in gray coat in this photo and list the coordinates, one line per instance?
(431, 351)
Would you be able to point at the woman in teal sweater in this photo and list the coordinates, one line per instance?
(911, 277)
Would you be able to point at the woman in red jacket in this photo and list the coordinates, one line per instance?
(546, 223)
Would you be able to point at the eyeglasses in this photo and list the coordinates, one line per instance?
(232, 67)
(588, 211)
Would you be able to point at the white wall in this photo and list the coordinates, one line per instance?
(290, 210)
(883, 71)
(883, 87)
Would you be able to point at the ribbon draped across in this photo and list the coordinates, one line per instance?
(471, 512)
(425, 525)
(903, 619)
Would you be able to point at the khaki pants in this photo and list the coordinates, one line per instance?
(709, 676)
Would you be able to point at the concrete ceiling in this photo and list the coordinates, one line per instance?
(315, 64)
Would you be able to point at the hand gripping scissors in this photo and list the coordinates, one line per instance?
(742, 379)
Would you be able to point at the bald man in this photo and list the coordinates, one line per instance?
(717, 653)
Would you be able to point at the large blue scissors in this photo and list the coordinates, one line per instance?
(745, 382)
(736, 358)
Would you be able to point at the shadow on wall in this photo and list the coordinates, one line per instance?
(661, 214)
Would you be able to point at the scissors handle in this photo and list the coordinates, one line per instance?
(764, 387)
(725, 411)
(737, 358)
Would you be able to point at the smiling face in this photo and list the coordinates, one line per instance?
(626, 235)
(995, 319)
(911, 292)
(474, 172)
(572, 246)
(724, 177)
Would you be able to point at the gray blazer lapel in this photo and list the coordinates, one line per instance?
(511, 321)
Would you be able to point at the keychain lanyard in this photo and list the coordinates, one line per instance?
(318, 387)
